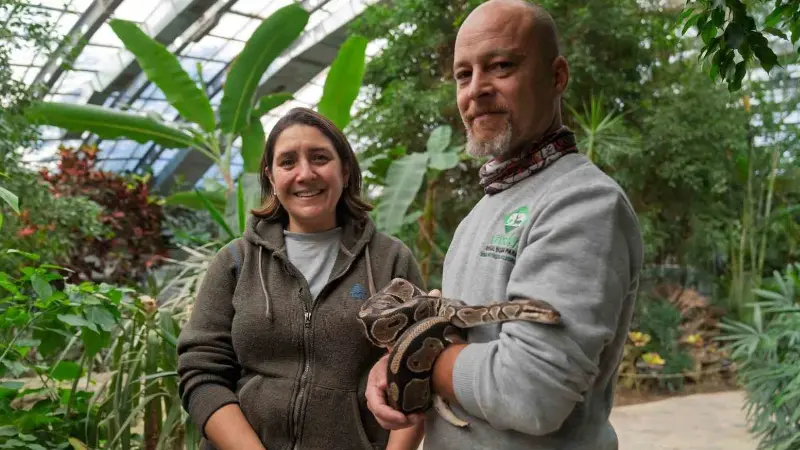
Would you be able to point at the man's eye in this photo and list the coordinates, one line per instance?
(462, 75)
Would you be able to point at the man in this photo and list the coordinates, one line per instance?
(551, 226)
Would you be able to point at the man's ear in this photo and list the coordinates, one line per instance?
(560, 74)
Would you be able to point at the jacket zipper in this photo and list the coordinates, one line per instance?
(300, 400)
(297, 413)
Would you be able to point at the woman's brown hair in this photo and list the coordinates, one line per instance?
(350, 203)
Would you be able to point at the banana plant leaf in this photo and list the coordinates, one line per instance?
(269, 40)
(190, 199)
(246, 197)
(442, 156)
(253, 142)
(216, 215)
(163, 69)
(240, 211)
(269, 102)
(109, 124)
(344, 81)
(402, 184)
(10, 198)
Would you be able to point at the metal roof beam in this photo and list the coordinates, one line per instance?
(83, 30)
(190, 12)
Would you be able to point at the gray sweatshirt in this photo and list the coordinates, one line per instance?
(569, 236)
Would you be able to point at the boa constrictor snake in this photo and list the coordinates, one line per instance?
(417, 327)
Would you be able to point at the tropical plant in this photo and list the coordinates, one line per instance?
(54, 335)
(52, 226)
(767, 352)
(101, 364)
(143, 387)
(25, 30)
(729, 30)
(136, 242)
(602, 136)
(661, 321)
(28, 29)
(204, 130)
(10, 198)
(403, 181)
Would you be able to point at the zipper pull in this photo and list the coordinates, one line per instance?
(307, 315)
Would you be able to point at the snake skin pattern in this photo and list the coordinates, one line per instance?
(416, 327)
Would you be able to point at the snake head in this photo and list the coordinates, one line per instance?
(403, 289)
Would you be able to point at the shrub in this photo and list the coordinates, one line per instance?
(101, 363)
(768, 357)
(134, 217)
(51, 226)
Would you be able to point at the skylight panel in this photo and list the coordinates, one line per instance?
(229, 25)
(136, 10)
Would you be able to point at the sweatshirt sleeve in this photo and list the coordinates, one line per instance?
(581, 254)
(207, 365)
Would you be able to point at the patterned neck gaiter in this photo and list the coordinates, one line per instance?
(498, 175)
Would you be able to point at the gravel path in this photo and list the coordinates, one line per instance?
(696, 422)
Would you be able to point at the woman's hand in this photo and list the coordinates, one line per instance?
(228, 429)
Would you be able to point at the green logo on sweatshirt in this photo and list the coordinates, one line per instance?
(516, 218)
(504, 246)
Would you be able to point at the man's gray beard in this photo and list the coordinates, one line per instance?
(499, 145)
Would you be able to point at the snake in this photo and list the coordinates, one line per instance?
(416, 327)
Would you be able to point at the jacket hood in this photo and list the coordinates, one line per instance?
(268, 233)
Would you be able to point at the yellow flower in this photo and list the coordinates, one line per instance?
(653, 359)
(639, 339)
(694, 339)
(148, 303)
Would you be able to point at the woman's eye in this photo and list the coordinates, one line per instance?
(285, 162)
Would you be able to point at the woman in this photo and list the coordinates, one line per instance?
(273, 355)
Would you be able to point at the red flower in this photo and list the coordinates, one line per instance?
(27, 231)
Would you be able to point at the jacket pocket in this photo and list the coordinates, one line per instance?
(332, 420)
(265, 404)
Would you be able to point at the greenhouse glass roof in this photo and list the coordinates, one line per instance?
(208, 33)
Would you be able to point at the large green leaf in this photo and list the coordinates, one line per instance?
(443, 161)
(402, 184)
(216, 216)
(163, 69)
(253, 142)
(66, 370)
(269, 102)
(240, 212)
(442, 157)
(10, 198)
(240, 203)
(109, 124)
(439, 139)
(190, 199)
(344, 81)
(270, 39)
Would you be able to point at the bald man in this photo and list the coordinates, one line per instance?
(551, 226)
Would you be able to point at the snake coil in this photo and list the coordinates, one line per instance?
(417, 327)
